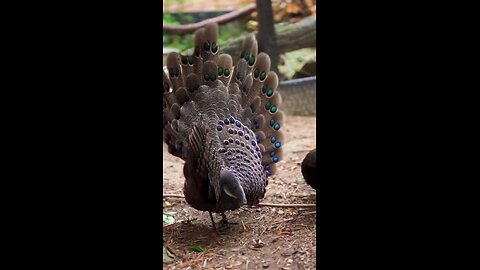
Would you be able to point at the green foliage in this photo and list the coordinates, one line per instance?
(168, 216)
(185, 42)
(176, 41)
(168, 219)
(197, 249)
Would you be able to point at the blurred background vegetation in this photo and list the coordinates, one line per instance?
(181, 12)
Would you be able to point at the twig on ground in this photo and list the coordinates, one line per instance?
(286, 205)
(259, 205)
(178, 221)
(173, 196)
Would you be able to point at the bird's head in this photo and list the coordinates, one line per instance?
(232, 194)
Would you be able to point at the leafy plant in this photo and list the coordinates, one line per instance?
(197, 249)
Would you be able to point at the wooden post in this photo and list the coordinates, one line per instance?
(267, 41)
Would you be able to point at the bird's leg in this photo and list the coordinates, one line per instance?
(213, 221)
(224, 222)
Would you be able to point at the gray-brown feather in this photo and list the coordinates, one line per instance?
(222, 121)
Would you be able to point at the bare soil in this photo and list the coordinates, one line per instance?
(265, 237)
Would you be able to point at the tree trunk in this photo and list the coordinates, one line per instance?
(266, 32)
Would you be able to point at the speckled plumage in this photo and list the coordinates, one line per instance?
(223, 121)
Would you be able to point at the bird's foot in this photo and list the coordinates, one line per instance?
(224, 223)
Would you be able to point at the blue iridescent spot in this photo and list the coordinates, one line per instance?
(247, 137)
(230, 131)
(275, 159)
(254, 143)
(268, 173)
(240, 133)
(219, 128)
(226, 121)
(273, 139)
(267, 167)
(272, 122)
(232, 120)
(220, 123)
(237, 123)
(277, 144)
(272, 154)
(276, 126)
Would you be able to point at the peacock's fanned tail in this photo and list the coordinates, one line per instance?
(239, 104)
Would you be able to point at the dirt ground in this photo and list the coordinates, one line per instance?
(287, 235)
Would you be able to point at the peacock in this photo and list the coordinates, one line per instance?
(224, 121)
(309, 168)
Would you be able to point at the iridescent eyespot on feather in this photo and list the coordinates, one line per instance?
(206, 46)
(264, 88)
(251, 61)
(263, 75)
(269, 92)
(256, 72)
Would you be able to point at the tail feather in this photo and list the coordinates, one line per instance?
(206, 85)
(250, 51)
(174, 71)
(224, 63)
(210, 46)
